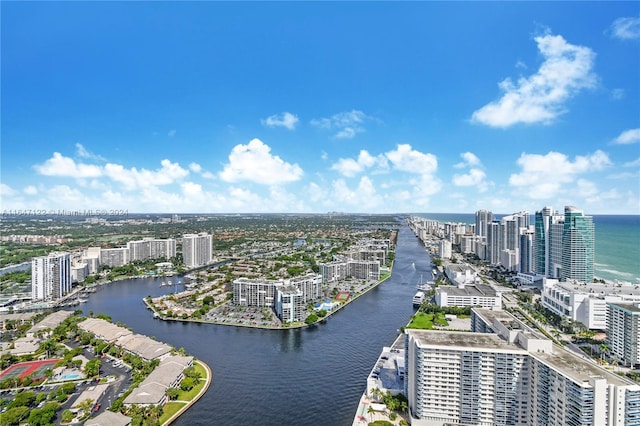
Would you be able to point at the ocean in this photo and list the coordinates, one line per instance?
(617, 243)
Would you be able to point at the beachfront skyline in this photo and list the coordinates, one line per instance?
(377, 107)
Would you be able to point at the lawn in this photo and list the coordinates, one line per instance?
(169, 409)
(188, 396)
(426, 321)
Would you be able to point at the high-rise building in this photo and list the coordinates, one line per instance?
(578, 246)
(505, 374)
(564, 245)
(151, 248)
(527, 238)
(483, 219)
(50, 276)
(623, 332)
(543, 220)
(114, 256)
(494, 242)
(196, 250)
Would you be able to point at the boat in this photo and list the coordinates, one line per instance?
(418, 298)
(424, 286)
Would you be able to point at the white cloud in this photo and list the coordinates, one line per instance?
(406, 159)
(361, 199)
(59, 165)
(82, 152)
(6, 190)
(197, 168)
(540, 98)
(286, 119)
(627, 28)
(628, 137)
(315, 192)
(349, 167)
(545, 176)
(634, 163)
(30, 190)
(468, 159)
(134, 179)
(171, 133)
(255, 163)
(617, 94)
(475, 175)
(348, 124)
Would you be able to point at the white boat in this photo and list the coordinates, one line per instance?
(424, 286)
(418, 298)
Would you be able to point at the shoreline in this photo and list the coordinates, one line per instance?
(183, 409)
(265, 327)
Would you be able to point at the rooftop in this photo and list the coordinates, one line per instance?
(103, 329)
(93, 393)
(464, 340)
(578, 369)
(480, 290)
(109, 418)
(51, 321)
(631, 307)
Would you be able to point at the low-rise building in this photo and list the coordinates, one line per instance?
(585, 303)
(152, 390)
(145, 347)
(468, 295)
(104, 330)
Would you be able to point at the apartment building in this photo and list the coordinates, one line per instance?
(197, 249)
(151, 248)
(50, 276)
(114, 256)
(347, 268)
(623, 332)
(504, 374)
(257, 292)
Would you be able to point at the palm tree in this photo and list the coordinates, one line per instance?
(603, 350)
(49, 346)
(370, 411)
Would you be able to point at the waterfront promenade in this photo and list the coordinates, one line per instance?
(208, 379)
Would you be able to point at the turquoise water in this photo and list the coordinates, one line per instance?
(617, 243)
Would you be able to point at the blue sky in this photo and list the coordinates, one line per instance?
(376, 107)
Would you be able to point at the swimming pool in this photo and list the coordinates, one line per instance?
(72, 376)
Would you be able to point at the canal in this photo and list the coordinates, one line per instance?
(312, 376)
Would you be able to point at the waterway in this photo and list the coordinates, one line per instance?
(312, 376)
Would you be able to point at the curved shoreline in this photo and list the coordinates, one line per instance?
(195, 399)
(266, 327)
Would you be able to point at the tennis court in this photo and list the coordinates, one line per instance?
(24, 369)
(343, 296)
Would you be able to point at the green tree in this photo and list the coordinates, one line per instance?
(187, 384)
(92, 368)
(67, 416)
(49, 347)
(172, 393)
(311, 319)
(23, 399)
(13, 416)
